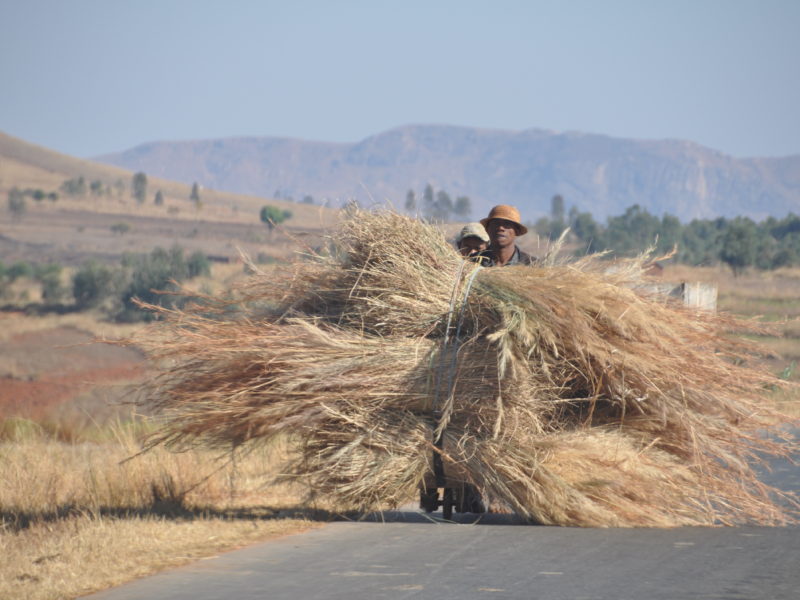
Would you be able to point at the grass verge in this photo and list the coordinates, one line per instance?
(78, 517)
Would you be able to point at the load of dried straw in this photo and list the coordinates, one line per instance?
(565, 394)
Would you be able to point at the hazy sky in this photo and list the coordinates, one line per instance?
(87, 77)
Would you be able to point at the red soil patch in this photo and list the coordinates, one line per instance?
(57, 365)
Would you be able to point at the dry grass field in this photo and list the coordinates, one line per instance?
(75, 514)
(77, 517)
(79, 510)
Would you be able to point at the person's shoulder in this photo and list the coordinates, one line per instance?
(526, 259)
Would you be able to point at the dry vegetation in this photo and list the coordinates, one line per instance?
(73, 517)
(14, 324)
(69, 499)
(771, 297)
(79, 517)
(569, 398)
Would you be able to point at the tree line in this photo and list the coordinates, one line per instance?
(109, 289)
(438, 205)
(739, 242)
(77, 187)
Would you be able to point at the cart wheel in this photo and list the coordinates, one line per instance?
(447, 504)
(429, 500)
(471, 500)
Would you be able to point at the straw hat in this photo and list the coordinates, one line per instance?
(509, 213)
(472, 230)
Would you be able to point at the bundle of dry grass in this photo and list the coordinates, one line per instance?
(565, 394)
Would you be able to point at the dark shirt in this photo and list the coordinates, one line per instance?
(486, 258)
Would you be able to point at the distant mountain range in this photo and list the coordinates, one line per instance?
(595, 173)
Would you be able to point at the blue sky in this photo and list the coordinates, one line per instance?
(87, 77)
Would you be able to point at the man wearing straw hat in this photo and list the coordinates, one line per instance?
(504, 227)
(472, 239)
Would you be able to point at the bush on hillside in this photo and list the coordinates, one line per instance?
(139, 187)
(20, 269)
(198, 265)
(272, 216)
(74, 187)
(16, 202)
(120, 228)
(153, 278)
(92, 284)
(49, 277)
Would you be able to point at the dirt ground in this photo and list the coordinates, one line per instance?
(72, 237)
(50, 373)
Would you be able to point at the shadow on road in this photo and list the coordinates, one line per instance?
(409, 515)
(21, 520)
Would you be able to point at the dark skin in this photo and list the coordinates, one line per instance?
(471, 245)
(503, 234)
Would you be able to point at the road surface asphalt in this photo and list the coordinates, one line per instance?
(407, 554)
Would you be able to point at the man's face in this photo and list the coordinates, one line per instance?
(502, 232)
(471, 245)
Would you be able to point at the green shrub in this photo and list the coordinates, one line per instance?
(49, 276)
(120, 228)
(198, 265)
(16, 202)
(139, 187)
(153, 277)
(20, 269)
(92, 284)
(273, 216)
(74, 187)
(96, 187)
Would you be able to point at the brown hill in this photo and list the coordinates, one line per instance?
(90, 224)
(596, 173)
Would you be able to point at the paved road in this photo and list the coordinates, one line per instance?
(410, 556)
